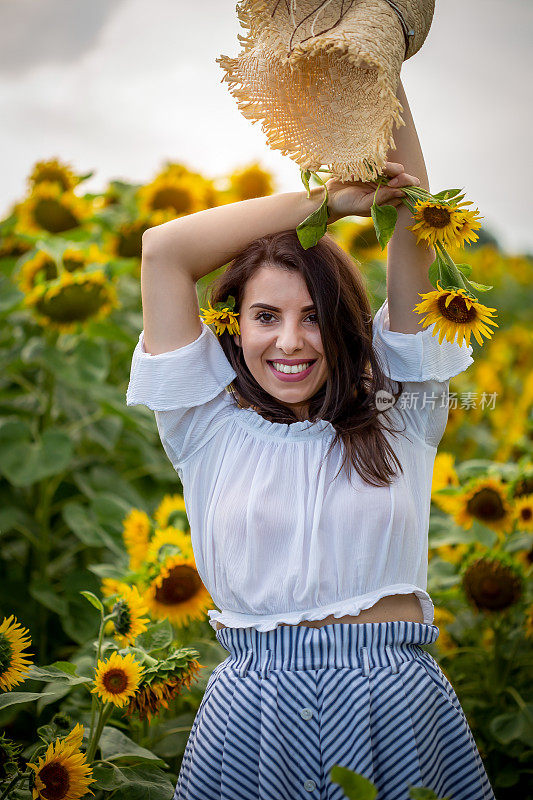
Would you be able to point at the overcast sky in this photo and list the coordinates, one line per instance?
(119, 86)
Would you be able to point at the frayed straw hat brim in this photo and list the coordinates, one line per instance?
(321, 77)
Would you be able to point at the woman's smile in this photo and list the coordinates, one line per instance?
(290, 376)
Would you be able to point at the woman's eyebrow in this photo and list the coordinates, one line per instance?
(273, 308)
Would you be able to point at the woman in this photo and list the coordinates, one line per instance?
(308, 499)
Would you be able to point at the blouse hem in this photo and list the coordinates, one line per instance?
(352, 606)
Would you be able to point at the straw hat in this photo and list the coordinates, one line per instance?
(322, 77)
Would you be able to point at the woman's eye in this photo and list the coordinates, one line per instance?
(262, 314)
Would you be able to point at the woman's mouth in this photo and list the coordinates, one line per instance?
(291, 377)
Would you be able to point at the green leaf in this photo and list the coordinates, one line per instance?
(116, 746)
(313, 228)
(305, 175)
(15, 698)
(385, 218)
(434, 272)
(354, 785)
(43, 591)
(157, 637)
(59, 671)
(481, 287)
(447, 194)
(506, 727)
(466, 269)
(24, 461)
(93, 600)
(143, 782)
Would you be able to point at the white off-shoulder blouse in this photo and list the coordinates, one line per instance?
(275, 538)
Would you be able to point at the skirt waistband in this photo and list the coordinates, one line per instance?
(356, 646)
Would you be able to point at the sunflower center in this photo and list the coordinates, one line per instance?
(115, 681)
(181, 583)
(172, 197)
(525, 514)
(130, 240)
(6, 653)
(456, 311)
(53, 216)
(73, 302)
(56, 781)
(486, 504)
(436, 216)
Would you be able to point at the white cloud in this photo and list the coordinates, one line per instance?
(148, 88)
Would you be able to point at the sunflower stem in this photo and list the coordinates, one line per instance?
(98, 652)
(105, 713)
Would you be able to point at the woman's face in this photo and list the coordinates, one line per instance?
(279, 323)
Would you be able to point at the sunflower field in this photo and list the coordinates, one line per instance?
(105, 644)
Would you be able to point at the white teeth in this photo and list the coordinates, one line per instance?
(289, 370)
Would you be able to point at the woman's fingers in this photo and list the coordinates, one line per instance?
(392, 168)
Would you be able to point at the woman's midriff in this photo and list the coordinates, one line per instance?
(397, 607)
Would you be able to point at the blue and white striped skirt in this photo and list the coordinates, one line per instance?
(290, 703)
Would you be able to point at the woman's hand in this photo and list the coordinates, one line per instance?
(355, 198)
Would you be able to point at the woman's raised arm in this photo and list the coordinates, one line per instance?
(202, 242)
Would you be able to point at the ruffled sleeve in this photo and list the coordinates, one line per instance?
(424, 367)
(186, 390)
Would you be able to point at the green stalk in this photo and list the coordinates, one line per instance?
(94, 700)
(105, 713)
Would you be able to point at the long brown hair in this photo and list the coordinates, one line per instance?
(337, 289)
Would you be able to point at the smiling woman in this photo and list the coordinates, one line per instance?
(308, 306)
(315, 571)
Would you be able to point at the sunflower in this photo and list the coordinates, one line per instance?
(172, 195)
(129, 621)
(53, 171)
(50, 209)
(177, 592)
(485, 499)
(493, 582)
(523, 484)
(454, 313)
(126, 239)
(117, 679)
(38, 269)
(444, 477)
(136, 536)
(164, 681)
(523, 513)
(72, 299)
(170, 511)
(62, 773)
(12, 246)
(452, 553)
(443, 617)
(486, 378)
(251, 181)
(359, 239)
(111, 586)
(168, 541)
(222, 320)
(520, 267)
(438, 221)
(14, 663)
